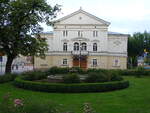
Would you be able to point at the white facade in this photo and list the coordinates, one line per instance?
(90, 36)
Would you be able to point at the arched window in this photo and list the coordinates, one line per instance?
(65, 47)
(95, 47)
(83, 47)
(76, 46)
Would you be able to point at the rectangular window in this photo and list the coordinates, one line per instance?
(65, 33)
(64, 61)
(116, 62)
(95, 33)
(94, 62)
(80, 34)
(65, 47)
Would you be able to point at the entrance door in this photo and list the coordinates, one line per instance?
(82, 62)
(75, 62)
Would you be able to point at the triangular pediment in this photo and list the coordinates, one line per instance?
(81, 17)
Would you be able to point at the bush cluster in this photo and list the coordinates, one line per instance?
(35, 75)
(96, 77)
(103, 76)
(138, 72)
(128, 72)
(58, 70)
(7, 78)
(71, 78)
(72, 88)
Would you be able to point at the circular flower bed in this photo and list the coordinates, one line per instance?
(70, 88)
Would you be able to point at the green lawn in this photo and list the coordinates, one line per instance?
(135, 99)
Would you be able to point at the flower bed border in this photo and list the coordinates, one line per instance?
(70, 88)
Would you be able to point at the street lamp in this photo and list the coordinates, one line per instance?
(80, 46)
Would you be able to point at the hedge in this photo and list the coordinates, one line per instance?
(7, 78)
(70, 88)
(128, 72)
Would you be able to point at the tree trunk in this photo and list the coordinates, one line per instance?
(8, 64)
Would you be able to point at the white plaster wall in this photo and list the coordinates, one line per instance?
(117, 43)
(106, 43)
(58, 39)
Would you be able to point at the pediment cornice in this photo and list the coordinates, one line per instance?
(80, 39)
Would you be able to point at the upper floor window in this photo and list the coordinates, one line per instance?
(94, 62)
(83, 47)
(95, 47)
(76, 46)
(65, 33)
(65, 47)
(95, 33)
(80, 33)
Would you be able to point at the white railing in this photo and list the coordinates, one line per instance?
(80, 52)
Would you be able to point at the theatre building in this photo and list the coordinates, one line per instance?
(83, 40)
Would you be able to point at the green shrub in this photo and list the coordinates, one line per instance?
(103, 76)
(57, 70)
(35, 75)
(96, 70)
(114, 75)
(96, 77)
(71, 78)
(138, 72)
(77, 70)
(7, 78)
(70, 88)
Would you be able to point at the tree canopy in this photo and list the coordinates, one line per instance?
(137, 44)
(19, 22)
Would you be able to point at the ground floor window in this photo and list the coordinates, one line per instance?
(116, 62)
(94, 62)
(65, 62)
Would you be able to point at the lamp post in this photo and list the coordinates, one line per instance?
(80, 46)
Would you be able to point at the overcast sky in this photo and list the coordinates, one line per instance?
(126, 16)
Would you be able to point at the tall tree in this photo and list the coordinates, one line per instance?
(19, 22)
(137, 44)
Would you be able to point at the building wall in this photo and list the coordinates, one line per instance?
(111, 48)
(103, 62)
(117, 43)
(59, 39)
(51, 61)
(122, 62)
